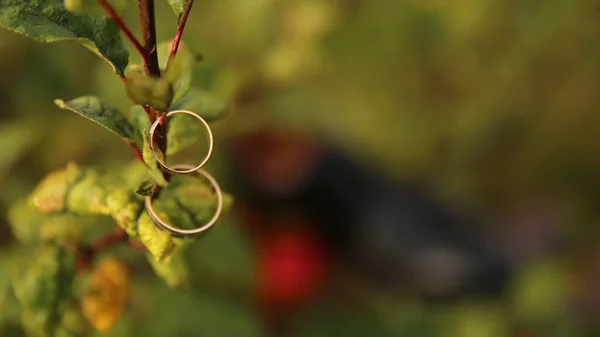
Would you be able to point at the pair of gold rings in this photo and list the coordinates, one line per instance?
(186, 169)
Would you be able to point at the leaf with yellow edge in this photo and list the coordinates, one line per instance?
(50, 194)
(108, 293)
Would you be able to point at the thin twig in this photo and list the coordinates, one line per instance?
(123, 79)
(136, 151)
(137, 245)
(88, 253)
(180, 29)
(117, 19)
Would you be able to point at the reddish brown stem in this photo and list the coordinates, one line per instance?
(147, 21)
(117, 235)
(88, 253)
(110, 11)
(123, 79)
(180, 29)
(136, 151)
(137, 245)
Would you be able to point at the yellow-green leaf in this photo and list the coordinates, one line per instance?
(160, 243)
(149, 159)
(124, 206)
(50, 194)
(175, 273)
(88, 195)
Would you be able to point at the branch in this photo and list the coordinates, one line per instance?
(110, 11)
(147, 20)
(180, 29)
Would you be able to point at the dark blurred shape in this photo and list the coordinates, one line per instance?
(393, 233)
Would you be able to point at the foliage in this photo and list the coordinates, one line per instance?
(49, 21)
(491, 102)
(64, 209)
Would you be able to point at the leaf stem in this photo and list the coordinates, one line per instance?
(180, 29)
(123, 27)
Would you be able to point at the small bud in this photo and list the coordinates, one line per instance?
(146, 90)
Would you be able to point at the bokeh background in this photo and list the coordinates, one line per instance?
(493, 104)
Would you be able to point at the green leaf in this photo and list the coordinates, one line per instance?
(73, 323)
(178, 72)
(140, 122)
(49, 21)
(30, 226)
(9, 307)
(204, 104)
(146, 188)
(17, 137)
(176, 273)
(98, 111)
(149, 159)
(538, 292)
(42, 284)
(182, 132)
(178, 6)
(147, 90)
(197, 199)
(92, 6)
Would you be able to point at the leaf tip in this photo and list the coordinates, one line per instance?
(60, 103)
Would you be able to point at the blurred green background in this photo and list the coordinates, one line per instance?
(494, 103)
